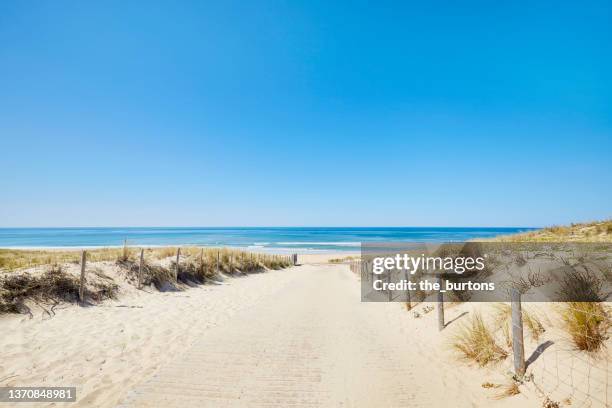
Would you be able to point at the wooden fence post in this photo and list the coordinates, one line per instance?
(201, 259)
(388, 282)
(440, 305)
(140, 268)
(178, 259)
(218, 255)
(408, 304)
(82, 283)
(518, 347)
(370, 269)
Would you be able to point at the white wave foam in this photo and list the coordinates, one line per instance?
(320, 243)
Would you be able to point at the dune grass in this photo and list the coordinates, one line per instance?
(15, 259)
(597, 231)
(508, 390)
(475, 341)
(53, 286)
(587, 323)
(196, 266)
(503, 317)
(581, 284)
(343, 259)
(584, 312)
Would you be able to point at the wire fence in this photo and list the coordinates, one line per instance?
(575, 368)
(571, 366)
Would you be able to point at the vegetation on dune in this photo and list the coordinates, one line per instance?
(508, 390)
(476, 342)
(344, 259)
(15, 259)
(584, 313)
(196, 266)
(598, 231)
(587, 323)
(53, 286)
(532, 323)
(581, 284)
(152, 274)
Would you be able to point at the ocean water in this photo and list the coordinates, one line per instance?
(278, 239)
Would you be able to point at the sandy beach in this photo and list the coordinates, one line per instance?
(293, 337)
(305, 204)
(289, 337)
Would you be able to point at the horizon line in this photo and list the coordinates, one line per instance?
(268, 226)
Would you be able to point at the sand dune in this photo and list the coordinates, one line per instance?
(294, 337)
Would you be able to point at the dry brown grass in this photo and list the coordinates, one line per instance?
(531, 321)
(508, 390)
(548, 403)
(344, 259)
(53, 286)
(152, 274)
(197, 265)
(587, 323)
(16, 259)
(125, 253)
(476, 342)
(580, 284)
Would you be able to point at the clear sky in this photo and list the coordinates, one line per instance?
(305, 113)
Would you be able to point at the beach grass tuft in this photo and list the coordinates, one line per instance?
(508, 390)
(581, 284)
(532, 322)
(52, 286)
(587, 323)
(596, 231)
(476, 342)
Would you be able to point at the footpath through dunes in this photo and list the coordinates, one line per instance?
(312, 343)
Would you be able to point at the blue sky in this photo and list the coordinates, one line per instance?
(305, 113)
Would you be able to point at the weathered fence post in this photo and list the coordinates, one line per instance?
(440, 305)
(178, 259)
(140, 268)
(218, 255)
(82, 283)
(370, 269)
(388, 283)
(408, 304)
(201, 257)
(518, 347)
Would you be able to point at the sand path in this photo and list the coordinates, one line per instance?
(309, 344)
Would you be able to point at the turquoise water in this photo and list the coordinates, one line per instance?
(290, 239)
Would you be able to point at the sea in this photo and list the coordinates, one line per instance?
(264, 239)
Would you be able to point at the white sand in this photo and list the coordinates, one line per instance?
(297, 337)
